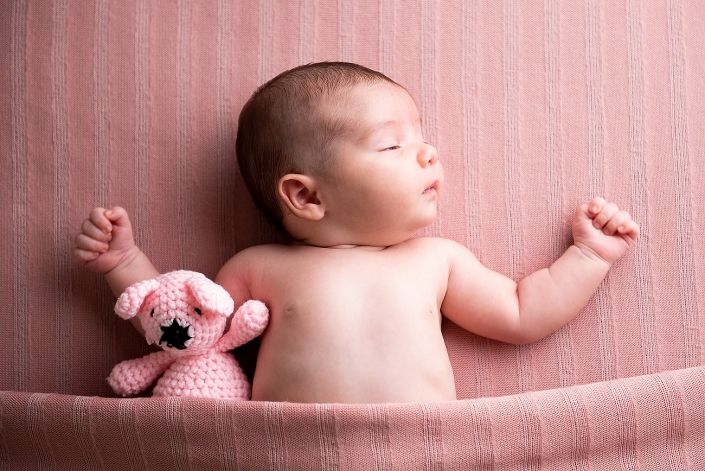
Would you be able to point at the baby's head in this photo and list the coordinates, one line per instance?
(302, 146)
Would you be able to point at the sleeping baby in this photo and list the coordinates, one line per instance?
(333, 154)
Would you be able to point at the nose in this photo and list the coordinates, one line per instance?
(428, 155)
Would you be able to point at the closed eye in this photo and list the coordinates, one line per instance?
(391, 148)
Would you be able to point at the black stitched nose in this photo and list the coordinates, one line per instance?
(175, 336)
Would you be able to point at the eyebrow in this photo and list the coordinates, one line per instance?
(381, 125)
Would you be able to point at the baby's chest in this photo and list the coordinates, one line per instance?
(350, 296)
(305, 287)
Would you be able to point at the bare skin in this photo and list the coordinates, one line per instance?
(356, 304)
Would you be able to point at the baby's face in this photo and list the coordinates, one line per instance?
(385, 181)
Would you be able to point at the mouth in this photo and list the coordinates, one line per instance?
(431, 188)
(175, 335)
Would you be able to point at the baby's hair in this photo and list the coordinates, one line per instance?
(282, 128)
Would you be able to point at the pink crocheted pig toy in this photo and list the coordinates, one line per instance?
(185, 313)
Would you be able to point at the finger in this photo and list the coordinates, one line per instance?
(582, 211)
(605, 214)
(98, 218)
(83, 242)
(94, 232)
(595, 206)
(620, 218)
(630, 229)
(118, 216)
(83, 256)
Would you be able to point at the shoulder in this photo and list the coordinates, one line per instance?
(444, 254)
(252, 257)
(448, 255)
(238, 273)
(437, 247)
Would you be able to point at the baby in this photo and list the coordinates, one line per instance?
(334, 154)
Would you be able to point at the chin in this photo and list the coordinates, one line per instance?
(420, 226)
(430, 219)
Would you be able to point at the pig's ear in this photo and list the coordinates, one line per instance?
(130, 302)
(211, 296)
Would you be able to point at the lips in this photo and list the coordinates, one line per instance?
(431, 187)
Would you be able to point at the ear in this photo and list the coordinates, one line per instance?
(211, 296)
(130, 302)
(299, 194)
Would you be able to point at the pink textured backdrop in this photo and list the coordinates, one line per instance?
(535, 107)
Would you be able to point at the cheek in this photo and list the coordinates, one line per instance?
(441, 180)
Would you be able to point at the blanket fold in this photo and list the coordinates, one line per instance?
(647, 422)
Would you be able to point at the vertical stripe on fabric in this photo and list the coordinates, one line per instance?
(386, 37)
(128, 434)
(275, 436)
(428, 69)
(531, 428)
(694, 424)
(595, 102)
(593, 43)
(101, 185)
(176, 432)
(580, 447)
(183, 129)
(226, 163)
(482, 432)
(512, 172)
(640, 197)
(471, 165)
(626, 420)
(101, 103)
(682, 184)
(429, 106)
(20, 243)
(224, 435)
(525, 372)
(37, 432)
(432, 437)
(142, 123)
(62, 263)
(554, 163)
(80, 411)
(379, 436)
(266, 40)
(307, 30)
(483, 366)
(106, 356)
(4, 447)
(512, 155)
(554, 171)
(675, 436)
(608, 355)
(325, 420)
(346, 30)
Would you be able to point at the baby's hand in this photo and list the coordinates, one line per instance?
(601, 229)
(105, 240)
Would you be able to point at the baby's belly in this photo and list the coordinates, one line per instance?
(353, 362)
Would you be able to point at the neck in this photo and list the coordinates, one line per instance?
(339, 246)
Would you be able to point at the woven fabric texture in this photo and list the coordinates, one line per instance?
(534, 106)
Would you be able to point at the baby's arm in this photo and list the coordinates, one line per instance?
(492, 305)
(236, 274)
(106, 246)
